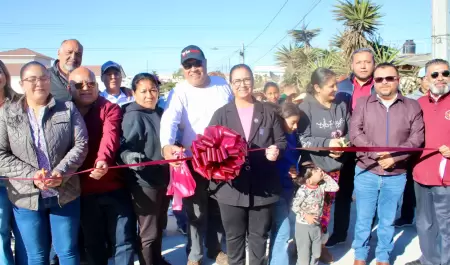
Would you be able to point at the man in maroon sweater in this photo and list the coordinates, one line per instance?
(106, 210)
(432, 171)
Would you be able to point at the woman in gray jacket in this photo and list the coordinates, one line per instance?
(42, 141)
(324, 124)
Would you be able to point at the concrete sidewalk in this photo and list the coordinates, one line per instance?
(406, 246)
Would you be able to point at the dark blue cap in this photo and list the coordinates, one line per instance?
(111, 64)
(192, 52)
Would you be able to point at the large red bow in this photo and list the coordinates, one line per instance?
(219, 153)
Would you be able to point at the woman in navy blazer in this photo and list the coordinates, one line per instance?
(246, 202)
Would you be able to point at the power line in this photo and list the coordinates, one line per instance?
(227, 57)
(296, 25)
(126, 48)
(264, 30)
(120, 27)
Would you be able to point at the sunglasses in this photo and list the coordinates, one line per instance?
(388, 79)
(445, 73)
(189, 65)
(79, 86)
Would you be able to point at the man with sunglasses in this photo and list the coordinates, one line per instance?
(385, 119)
(106, 209)
(190, 107)
(432, 171)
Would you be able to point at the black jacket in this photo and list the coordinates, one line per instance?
(258, 182)
(59, 84)
(140, 143)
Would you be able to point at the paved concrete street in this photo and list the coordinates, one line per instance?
(406, 246)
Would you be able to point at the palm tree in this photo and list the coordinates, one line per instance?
(304, 35)
(300, 62)
(331, 59)
(290, 57)
(361, 19)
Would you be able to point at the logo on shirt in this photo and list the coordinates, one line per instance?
(447, 115)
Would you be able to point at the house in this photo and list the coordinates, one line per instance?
(409, 61)
(15, 59)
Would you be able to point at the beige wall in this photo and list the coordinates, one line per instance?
(25, 60)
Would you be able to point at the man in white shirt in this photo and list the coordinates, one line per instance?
(189, 107)
(112, 78)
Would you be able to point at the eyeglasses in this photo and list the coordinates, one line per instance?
(189, 64)
(238, 82)
(80, 85)
(445, 73)
(34, 79)
(388, 79)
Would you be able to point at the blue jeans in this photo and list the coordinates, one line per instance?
(283, 226)
(372, 190)
(108, 218)
(6, 255)
(50, 223)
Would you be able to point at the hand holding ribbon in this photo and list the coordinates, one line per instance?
(170, 152)
(39, 178)
(54, 181)
(101, 168)
(272, 153)
(445, 151)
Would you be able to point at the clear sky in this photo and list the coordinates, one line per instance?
(150, 34)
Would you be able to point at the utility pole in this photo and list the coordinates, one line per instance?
(242, 54)
(440, 29)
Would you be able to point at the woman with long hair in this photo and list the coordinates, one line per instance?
(324, 124)
(6, 216)
(45, 141)
(283, 218)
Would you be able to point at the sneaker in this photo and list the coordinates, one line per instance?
(333, 241)
(416, 262)
(402, 222)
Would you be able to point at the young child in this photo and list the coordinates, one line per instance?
(308, 207)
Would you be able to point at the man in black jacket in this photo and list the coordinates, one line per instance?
(70, 55)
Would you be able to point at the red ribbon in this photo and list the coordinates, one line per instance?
(219, 153)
